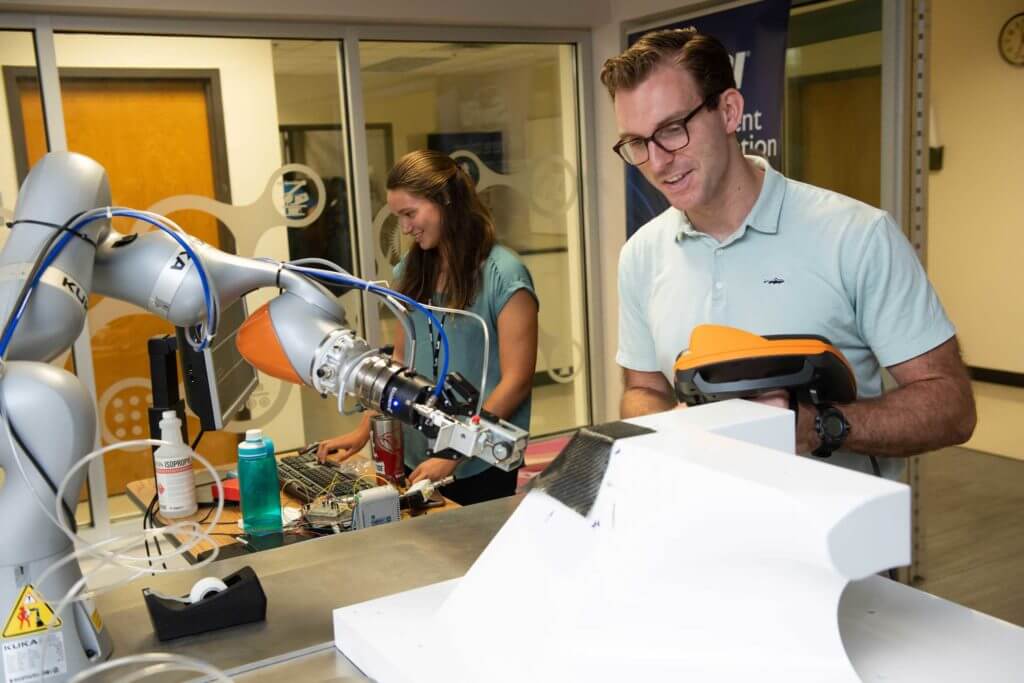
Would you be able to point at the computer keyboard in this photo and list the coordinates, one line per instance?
(305, 479)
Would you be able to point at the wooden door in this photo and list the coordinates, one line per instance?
(837, 123)
(153, 137)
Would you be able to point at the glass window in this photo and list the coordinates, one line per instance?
(307, 76)
(508, 114)
(236, 140)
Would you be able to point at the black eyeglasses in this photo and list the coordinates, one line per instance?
(670, 136)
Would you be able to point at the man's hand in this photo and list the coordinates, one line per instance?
(933, 407)
(645, 393)
(806, 436)
(434, 469)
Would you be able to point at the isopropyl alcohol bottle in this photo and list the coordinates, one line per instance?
(257, 474)
(175, 479)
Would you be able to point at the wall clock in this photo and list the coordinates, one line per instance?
(1011, 40)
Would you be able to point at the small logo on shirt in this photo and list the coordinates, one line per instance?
(774, 281)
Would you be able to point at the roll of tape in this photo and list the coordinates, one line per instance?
(204, 587)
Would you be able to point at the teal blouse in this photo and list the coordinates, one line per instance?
(504, 274)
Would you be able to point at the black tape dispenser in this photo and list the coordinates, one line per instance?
(212, 604)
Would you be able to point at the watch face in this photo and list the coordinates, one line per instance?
(833, 426)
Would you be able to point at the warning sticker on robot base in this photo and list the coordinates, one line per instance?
(22, 663)
(29, 615)
(94, 615)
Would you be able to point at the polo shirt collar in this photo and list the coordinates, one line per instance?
(764, 216)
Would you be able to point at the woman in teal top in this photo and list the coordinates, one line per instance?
(455, 262)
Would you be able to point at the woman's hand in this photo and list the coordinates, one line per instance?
(434, 469)
(343, 447)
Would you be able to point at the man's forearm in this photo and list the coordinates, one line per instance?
(912, 419)
(637, 401)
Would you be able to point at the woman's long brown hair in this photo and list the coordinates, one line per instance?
(467, 229)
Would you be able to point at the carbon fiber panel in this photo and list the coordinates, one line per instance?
(574, 477)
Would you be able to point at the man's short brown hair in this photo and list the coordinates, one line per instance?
(701, 55)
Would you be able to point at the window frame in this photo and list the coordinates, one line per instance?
(348, 37)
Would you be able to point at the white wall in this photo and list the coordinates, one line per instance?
(308, 100)
(853, 52)
(975, 218)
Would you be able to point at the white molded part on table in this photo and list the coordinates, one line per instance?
(704, 558)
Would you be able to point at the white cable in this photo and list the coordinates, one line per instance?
(454, 311)
(93, 549)
(154, 659)
(487, 348)
(210, 295)
(208, 330)
(198, 534)
(321, 262)
(410, 331)
(120, 543)
(211, 326)
(396, 306)
(107, 558)
(375, 288)
(132, 540)
(74, 537)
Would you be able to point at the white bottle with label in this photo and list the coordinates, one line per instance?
(175, 479)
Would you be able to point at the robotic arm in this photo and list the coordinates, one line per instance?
(300, 337)
(61, 248)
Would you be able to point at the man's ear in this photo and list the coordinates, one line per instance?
(730, 107)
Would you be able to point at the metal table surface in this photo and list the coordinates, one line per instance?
(304, 583)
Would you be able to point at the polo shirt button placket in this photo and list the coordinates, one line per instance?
(717, 285)
(717, 268)
(717, 301)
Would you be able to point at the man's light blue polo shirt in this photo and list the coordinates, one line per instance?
(805, 261)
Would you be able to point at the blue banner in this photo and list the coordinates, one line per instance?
(755, 36)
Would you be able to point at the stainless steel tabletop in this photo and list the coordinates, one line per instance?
(890, 631)
(304, 583)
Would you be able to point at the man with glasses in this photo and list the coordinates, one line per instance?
(742, 245)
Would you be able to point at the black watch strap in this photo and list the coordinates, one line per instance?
(832, 429)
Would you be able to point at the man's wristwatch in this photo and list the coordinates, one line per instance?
(832, 428)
